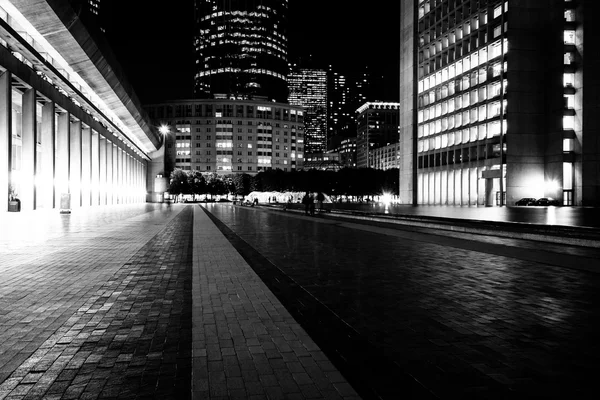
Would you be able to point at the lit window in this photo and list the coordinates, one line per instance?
(473, 115)
(568, 145)
(473, 133)
(481, 129)
(569, 101)
(569, 37)
(451, 105)
(569, 15)
(458, 120)
(568, 122)
(497, 11)
(568, 79)
(569, 58)
(482, 113)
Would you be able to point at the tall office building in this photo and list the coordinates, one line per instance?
(498, 102)
(92, 13)
(241, 48)
(308, 88)
(377, 127)
(346, 92)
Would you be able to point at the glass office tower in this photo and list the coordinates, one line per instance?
(497, 102)
(241, 48)
(308, 88)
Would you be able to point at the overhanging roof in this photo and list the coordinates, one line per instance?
(94, 62)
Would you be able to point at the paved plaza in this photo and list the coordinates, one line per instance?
(219, 301)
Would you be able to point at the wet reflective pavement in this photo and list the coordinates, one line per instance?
(405, 314)
(564, 216)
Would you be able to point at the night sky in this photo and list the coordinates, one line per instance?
(153, 42)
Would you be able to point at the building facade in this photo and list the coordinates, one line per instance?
(231, 136)
(241, 48)
(498, 102)
(377, 126)
(308, 89)
(385, 157)
(347, 151)
(69, 128)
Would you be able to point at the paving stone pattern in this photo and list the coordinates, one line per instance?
(458, 321)
(246, 345)
(100, 310)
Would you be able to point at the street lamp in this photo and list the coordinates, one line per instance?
(164, 129)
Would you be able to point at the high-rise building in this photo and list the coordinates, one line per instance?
(231, 136)
(498, 102)
(308, 89)
(345, 93)
(377, 126)
(92, 13)
(241, 48)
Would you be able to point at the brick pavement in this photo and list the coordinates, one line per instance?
(98, 304)
(246, 345)
(464, 317)
(100, 310)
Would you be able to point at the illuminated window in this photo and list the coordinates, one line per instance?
(568, 145)
(465, 118)
(569, 15)
(568, 79)
(497, 11)
(481, 131)
(569, 58)
(569, 101)
(493, 129)
(473, 133)
(493, 109)
(451, 105)
(459, 67)
(497, 31)
(568, 122)
(569, 37)
(482, 113)
(458, 120)
(451, 122)
(473, 115)
(482, 93)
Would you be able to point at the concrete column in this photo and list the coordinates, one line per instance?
(5, 138)
(28, 151)
(95, 168)
(102, 169)
(110, 168)
(75, 164)
(116, 171)
(45, 195)
(123, 193)
(86, 165)
(62, 156)
(127, 178)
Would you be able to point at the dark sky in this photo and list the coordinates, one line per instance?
(153, 41)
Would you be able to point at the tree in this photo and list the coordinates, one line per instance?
(241, 184)
(178, 183)
(196, 182)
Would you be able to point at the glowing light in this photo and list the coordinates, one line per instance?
(164, 129)
(386, 198)
(552, 186)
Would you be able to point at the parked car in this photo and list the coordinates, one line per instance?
(547, 201)
(526, 201)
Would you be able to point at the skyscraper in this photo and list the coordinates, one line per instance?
(308, 88)
(92, 13)
(377, 126)
(241, 48)
(498, 102)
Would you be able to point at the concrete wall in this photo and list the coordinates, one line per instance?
(408, 103)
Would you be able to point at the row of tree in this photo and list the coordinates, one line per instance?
(347, 181)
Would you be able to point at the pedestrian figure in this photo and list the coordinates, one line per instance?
(320, 199)
(311, 204)
(305, 200)
(255, 203)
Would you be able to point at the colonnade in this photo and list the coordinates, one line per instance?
(52, 150)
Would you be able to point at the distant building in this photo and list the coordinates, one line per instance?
(345, 93)
(231, 136)
(347, 151)
(92, 13)
(385, 157)
(308, 89)
(377, 127)
(323, 161)
(241, 49)
(499, 102)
